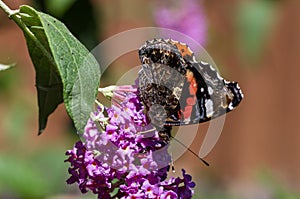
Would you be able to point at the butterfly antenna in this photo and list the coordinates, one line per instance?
(202, 160)
(172, 167)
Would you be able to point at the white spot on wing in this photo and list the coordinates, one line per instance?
(177, 92)
(220, 78)
(230, 107)
(211, 67)
(209, 108)
(204, 63)
(242, 94)
(210, 90)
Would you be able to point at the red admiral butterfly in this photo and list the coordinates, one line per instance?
(178, 90)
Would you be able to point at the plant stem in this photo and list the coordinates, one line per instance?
(13, 14)
(6, 9)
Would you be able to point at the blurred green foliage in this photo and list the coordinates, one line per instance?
(254, 22)
(80, 16)
(8, 81)
(56, 7)
(278, 189)
(35, 176)
(17, 120)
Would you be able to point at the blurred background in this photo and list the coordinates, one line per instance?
(254, 42)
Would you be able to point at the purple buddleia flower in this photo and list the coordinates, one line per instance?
(120, 157)
(185, 16)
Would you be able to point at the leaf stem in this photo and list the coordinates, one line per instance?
(15, 16)
(12, 14)
(7, 10)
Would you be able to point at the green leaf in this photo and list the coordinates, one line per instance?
(5, 67)
(65, 70)
(48, 81)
